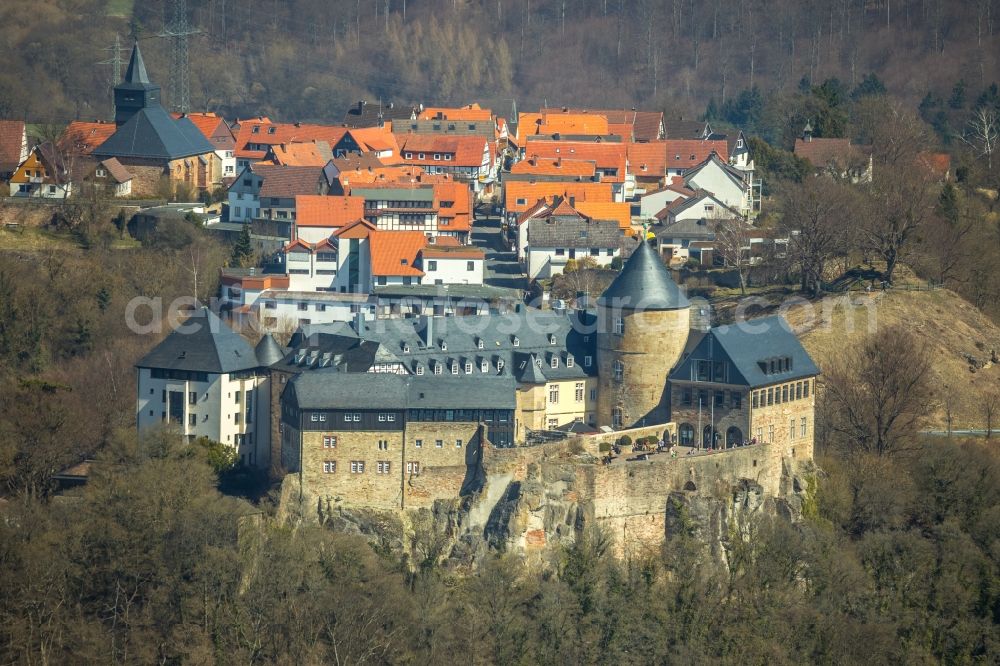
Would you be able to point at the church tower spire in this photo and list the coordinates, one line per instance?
(136, 91)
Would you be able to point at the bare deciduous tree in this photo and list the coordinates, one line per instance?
(732, 239)
(878, 395)
(815, 217)
(982, 134)
(899, 202)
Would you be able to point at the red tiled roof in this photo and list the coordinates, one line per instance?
(288, 181)
(214, 127)
(461, 252)
(939, 164)
(644, 124)
(270, 134)
(605, 155)
(11, 142)
(686, 153)
(822, 152)
(395, 252)
(532, 192)
(356, 229)
(310, 153)
(467, 150)
(555, 166)
(607, 210)
(314, 210)
(468, 112)
(81, 138)
(375, 139)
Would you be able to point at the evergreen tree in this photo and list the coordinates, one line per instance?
(870, 85)
(957, 99)
(243, 249)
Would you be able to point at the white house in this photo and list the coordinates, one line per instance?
(653, 202)
(728, 184)
(555, 240)
(451, 263)
(207, 381)
(701, 206)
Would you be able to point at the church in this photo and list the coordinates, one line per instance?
(158, 150)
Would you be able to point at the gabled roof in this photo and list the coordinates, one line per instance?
(645, 125)
(732, 172)
(678, 206)
(555, 166)
(287, 182)
(394, 253)
(307, 154)
(825, 152)
(203, 343)
(468, 112)
(618, 212)
(532, 192)
(574, 232)
(604, 155)
(644, 284)
(375, 139)
(688, 153)
(468, 150)
(115, 169)
(261, 131)
(314, 210)
(356, 229)
(685, 129)
(152, 134)
(365, 114)
(749, 346)
(81, 138)
(214, 128)
(12, 138)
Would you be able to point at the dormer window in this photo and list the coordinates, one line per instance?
(437, 368)
(454, 368)
(552, 338)
(480, 344)
(517, 342)
(468, 367)
(555, 361)
(588, 361)
(570, 361)
(420, 369)
(255, 130)
(619, 326)
(499, 364)
(444, 346)
(484, 366)
(406, 348)
(271, 130)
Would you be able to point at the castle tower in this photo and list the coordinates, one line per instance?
(135, 92)
(643, 324)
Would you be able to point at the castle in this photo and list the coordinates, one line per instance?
(398, 414)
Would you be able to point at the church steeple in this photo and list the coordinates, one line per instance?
(136, 91)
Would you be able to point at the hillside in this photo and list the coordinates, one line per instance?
(953, 329)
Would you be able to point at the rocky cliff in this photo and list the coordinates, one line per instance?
(536, 500)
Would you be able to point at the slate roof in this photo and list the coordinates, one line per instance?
(331, 389)
(748, 346)
(11, 141)
(152, 134)
(567, 231)
(268, 350)
(342, 347)
(645, 284)
(365, 114)
(685, 129)
(203, 343)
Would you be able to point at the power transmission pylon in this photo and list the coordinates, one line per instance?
(178, 31)
(116, 61)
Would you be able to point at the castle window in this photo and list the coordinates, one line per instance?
(686, 434)
(516, 341)
(685, 396)
(382, 467)
(554, 393)
(805, 388)
(736, 399)
(617, 417)
(437, 368)
(420, 369)
(770, 433)
(753, 396)
(619, 326)
(329, 442)
(579, 391)
(704, 371)
(406, 348)
(784, 393)
(356, 417)
(588, 361)
(438, 443)
(329, 466)
(720, 399)
(357, 467)
(760, 435)
(803, 425)
(798, 390)
(484, 366)
(777, 395)
(458, 443)
(383, 445)
(719, 371)
(619, 371)
(770, 397)
(413, 467)
(552, 339)
(499, 364)
(454, 368)
(480, 344)
(791, 428)
(593, 395)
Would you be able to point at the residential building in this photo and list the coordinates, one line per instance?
(632, 125)
(521, 196)
(378, 114)
(215, 128)
(13, 146)
(108, 175)
(653, 202)
(268, 191)
(256, 136)
(205, 380)
(563, 234)
(317, 217)
(301, 154)
(567, 209)
(836, 157)
(731, 186)
(82, 138)
(609, 157)
(471, 159)
(45, 173)
(683, 155)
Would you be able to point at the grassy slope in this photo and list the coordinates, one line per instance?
(949, 325)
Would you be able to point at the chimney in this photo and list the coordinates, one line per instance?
(427, 334)
(359, 323)
(572, 202)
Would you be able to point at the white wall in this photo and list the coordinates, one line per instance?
(653, 203)
(713, 179)
(287, 310)
(453, 271)
(314, 234)
(544, 262)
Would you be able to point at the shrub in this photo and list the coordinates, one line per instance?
(604, 447)
(624, 440)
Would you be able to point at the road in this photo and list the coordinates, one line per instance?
(502, 267)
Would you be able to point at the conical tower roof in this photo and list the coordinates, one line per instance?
(644, 284)
(136, 72)
(268, 351)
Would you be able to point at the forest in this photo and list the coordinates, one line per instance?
(298, 60)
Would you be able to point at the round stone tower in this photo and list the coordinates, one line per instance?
(643, 324)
